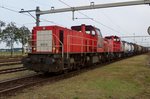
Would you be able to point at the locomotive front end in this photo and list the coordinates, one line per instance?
(46, 50)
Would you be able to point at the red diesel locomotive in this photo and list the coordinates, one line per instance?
(56, 48)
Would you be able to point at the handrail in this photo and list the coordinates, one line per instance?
(93, 41)
(62, 45)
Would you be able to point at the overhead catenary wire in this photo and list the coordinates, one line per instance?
(6, 8)
(15, 11)
(45, 20)
(90, 17)
(96, 20)
(99, 22)
(12, 10)
(36, 1)
(114, 23)
(56, 23)
(64, 3)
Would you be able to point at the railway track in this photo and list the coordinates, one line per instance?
(9, 59)
(11, 85)
(8, 87)
(10, 63)
(11, 70)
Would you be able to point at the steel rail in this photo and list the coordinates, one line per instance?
(10, 63)
(11, 70)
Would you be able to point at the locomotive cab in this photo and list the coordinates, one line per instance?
(114, 43)
(91, 32)
(88, 29)
(114, 46)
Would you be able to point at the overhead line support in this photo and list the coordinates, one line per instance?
(91, 6)
(95, 6)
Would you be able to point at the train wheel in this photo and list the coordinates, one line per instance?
(78, 68)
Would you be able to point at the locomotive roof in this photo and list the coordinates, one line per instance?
(78, 28)
(49, 26)
(112, 37)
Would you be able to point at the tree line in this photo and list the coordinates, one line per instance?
(11, 34)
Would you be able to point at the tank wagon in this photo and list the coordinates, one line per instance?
(56, 49)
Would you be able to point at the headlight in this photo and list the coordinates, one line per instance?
(57, 50)
(54, 49)
(34, 48)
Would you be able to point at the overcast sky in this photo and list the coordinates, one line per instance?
(122, 21)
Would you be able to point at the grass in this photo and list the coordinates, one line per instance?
(126, 79)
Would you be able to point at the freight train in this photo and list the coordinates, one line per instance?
(57, 49)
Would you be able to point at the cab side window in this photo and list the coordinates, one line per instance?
(99, 33)
(93, 33)
(87, 32)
